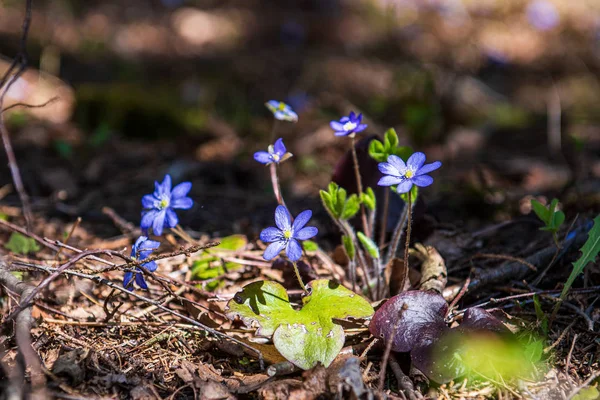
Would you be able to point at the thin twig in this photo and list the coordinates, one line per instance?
(103, 281)
(23, 324)
(26, 105)
(404, 382)
(12, 74)
(568, 362)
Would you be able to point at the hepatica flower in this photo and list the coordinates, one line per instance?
(281, 111)
(159, 206)
(276, 153)
(405, 175)
(140, 251)
(348, 125)
(287, 234)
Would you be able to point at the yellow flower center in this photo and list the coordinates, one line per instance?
(163, 204)
(287, 234)
(281, 106)
(275, 157)
(409, 174)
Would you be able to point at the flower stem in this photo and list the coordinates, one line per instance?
(393, 247)
(298, 276)
(275, 183)
(408, 226)
(386, 205)
(359, 187)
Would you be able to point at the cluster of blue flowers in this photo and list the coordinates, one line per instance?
(159, 207)
(286, 236)
(158, 213)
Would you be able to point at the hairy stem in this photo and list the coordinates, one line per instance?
(386, 205)
(299, 277)
(275, 183)
(359, 186)
(393, 247)
(408, 226)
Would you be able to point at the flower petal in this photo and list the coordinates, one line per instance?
(181, 190)
(151, 266)
(416, 161)
(166, 184)
(279, 147)
(360, 128)
(336, 126)
(159, 222)
(127, 280)
(283, 220)
(306, 233)
(146, 244)
(141, 282)
(262, 157)
(405, 186)
(388, 169)
(301, 220)
(183, 203)
(342, 133)
(343, 120)
(272, 105)
(293, 250)
(171, 220)
(422, 180)
(273, 250)
(270, 234)
(389, 180)
(148, 201)
(147, 218)
(427, 168)
(352, 116)
(398, 163)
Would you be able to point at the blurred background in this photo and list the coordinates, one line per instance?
(505, 93)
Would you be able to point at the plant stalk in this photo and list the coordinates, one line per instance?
(386, 205)
(299, 277)
(408, 227)
(359, 186)
(393, 246)
(275, 183)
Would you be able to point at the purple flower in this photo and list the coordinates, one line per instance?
(275, 154)
(348, 125)
(281, 111)
(405, 175)
(159, 206)
(287, 234)
(542, 15)
(140, 251)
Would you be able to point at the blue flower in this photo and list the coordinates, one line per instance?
(275, 154)
(405, 175)
(140, 251)
(348, 125)
(281, 111)
(159, 206)
(542, 15)
(287, 234)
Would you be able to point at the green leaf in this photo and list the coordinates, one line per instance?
(20, 244)
(309, 245)
(368, 245)
(589, 252)
(377, 151)
(210, 264)
(349, 247)
(368, 199)
(351, 207)
(391, 139)
(542, 212)
(307, 336)
(587, 393)
(327, 202)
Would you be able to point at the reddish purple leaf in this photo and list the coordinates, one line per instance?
(416, 317)
(478, 319)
